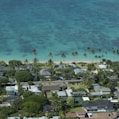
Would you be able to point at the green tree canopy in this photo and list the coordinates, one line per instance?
(14, 63)
(34, 103)
(70, 101)
(3, 80)
(23, 76)
(31, 107)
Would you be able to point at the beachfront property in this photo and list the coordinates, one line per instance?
(70, 91)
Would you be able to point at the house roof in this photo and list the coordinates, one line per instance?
(78, 99)
(5, 68)
(102, 66)
(105, 115)
(13, 118)
(32, 88)
(1, 73)
(79, 93)
(61, 94)
(70, 115)
(116, 93)
(100, 104)
(60, 66)
(45, 72)
(12, 88)
(43, 117)
(76, 114)
(85, 98)
(72, 65)
(99, 93)
(47, 108)
(55, 117)
(69, 92)
(99, 88)
(81, 112)
(78, 70)
(51, 88)
(5, 104)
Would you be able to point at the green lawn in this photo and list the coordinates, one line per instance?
(75, 109)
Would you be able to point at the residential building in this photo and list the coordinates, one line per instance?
(69, 91)
(12, 90)
(99, 106)
(32, 88)
(51, 88)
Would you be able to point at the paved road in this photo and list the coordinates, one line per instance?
(53, 82)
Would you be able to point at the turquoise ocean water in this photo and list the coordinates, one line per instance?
(59, 26)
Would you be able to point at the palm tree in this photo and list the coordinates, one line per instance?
(63, 55)
(85, 55)
(74, 53)
(35, 60)
(26, 61)
(34, 52)
(114, 52)
(50, 62)
(99, 50)
(50, 54)
(118, 53)
(96, 57)
(88, 48)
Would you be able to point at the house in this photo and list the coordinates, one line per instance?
(81, 113)
(43, 117)
(32, 88)
(45, 72)
(13, 118)
(116, 93)
(5, 104)
(10, 98)
(113, 78)
(61, 94)
(110, 70)
(78, 70)
(12, 90)
(70, 115)
(51, 88)
(72, 65)
(102, 66)
(55, 117)
(85, 98)
(1, 74)
(77, 114)
(78, 100)
(47, 108)
(100, 90)
(105, 115)
(69, 92)
(5, 68)
(81, 93)
(98, 106)
(20, 68)
(60, 66)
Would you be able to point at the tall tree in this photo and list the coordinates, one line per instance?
(50, 55)
(34, 52)
(63, 55)
(76, 53)
(85, 55)
(26, 61)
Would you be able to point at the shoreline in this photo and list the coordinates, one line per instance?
(57, 62)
